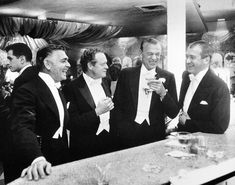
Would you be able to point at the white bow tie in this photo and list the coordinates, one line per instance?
(192, 77)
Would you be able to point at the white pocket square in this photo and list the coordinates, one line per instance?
(163, 80)
(203, 102)
(68, 104)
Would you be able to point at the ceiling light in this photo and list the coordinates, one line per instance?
(152, 7)
(222, 19)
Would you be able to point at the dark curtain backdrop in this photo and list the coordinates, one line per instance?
(52, 31)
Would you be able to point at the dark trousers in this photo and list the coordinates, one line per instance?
(91, 145)
(140, 134)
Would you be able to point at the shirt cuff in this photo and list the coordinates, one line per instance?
(38, 159)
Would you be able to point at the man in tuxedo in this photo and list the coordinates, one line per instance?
(204, 97)
(90, 103)
(19, 56)
(39, 117)
(144, 96)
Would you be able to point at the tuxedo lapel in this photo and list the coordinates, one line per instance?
(184, 88)
(134, 84)
(83, 88)
(47, 96)
(106, 88)
(66, 114)
(155, 97)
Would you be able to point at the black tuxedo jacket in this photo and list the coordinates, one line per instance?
(209, 109)
(84, 122)
(34, 113)
(126, 102)
(28, 74)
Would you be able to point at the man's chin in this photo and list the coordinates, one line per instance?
(190, 70)
(12, 70)
(63, 78)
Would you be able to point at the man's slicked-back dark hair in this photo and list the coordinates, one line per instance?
(205, 47)
(151, 41)
(88, 55)
(20, 49)
(46, 51)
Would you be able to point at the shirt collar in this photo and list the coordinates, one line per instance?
(201, 74)
(90, 80)
(144, 71)
(47, 79)
(22, 70)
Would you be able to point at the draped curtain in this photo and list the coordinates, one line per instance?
(67, 33)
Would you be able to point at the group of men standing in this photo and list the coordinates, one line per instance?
(98, 123)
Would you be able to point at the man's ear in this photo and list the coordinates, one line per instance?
(22, 59)
(90, 66)
(206, 60)
(47, 64)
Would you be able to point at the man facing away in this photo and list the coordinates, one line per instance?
(19, 56)
(90, 105)
(204, 97)
(39, 117)
(144, 96)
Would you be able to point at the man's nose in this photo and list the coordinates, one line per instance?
(68, 64)
(188, 60)
(154, 57)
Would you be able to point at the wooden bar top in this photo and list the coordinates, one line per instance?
(143, 165)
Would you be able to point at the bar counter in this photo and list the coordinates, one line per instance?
(143, 165)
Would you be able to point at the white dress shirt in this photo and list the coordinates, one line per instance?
(98, 94)
(195, 81)
(52, 86)
(145, 95)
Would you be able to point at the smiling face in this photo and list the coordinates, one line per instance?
(99, 69)
(151, 55)
(57, 65)
(194, 61)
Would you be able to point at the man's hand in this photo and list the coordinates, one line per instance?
(158, 87)
(183, 117)
(5, 92)
(37, 170)
(104, 106)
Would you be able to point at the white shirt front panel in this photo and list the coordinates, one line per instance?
(192, 88)
(144, 95)
(98, 94)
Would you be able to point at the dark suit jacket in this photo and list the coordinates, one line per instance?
(125, 108)
(212, 117)
(27, 75)
(84, 122)
(34, 112)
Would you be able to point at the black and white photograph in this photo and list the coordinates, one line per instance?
(118, 92)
